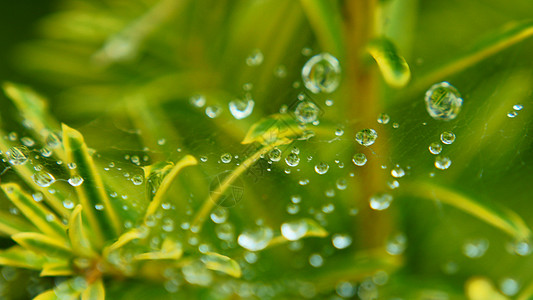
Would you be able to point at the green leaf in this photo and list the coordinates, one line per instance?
(10, 224)
(479, 288)
(324, 16)
(21, 258)
(95, 291)
(105, 225)
(495, 42)
(125, 238)
(527, 293)
(46, 295)
(393, 67)
(217, 262)
(170, 249)
(504, 219)
(278, 128)
(57, 268)
(40, 243)
(35, 212)
(81, 244)
(186, 161)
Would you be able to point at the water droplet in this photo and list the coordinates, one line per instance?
(203, 158)
(17, 155)
(255, 58)
(366, 137)
(316, 260)
(345, 289)
(396, 244)
(341, 184)
(161, 141)
(339, 132)
(226, 158)
(380, 201)
(294, 230)
(99, 207)
(443, 101)
(52, 140)
(303, 181)
(255, 240)
(383, 118)
(512, 114)
(275, 154)
(75, 180)
(241, 109)
(321, 168)
(213, 111)
(518, 107)
(293, 209)
(306, 112)
(321, 73)
(329, 102)
(397, 172)
(197, 100)
(341, 241)
(509, 286)
(475, 248)
(28, 142)
(68, 204)
(359, 159)
(38, 196)
(328, 208)
(292, 159)
(43, 179)
(72, 166)
(442, 162)
(435, 148)
(219, 215)
(393, 184)
(522, 248)
(447, 137)
(137, 179)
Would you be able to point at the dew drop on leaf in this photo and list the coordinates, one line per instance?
(442, 162)
(316, 260)
(321, 168)
(241, 109)
(213, 111)
(359, 159)
(341, 241)
(321, 73)
(435, 148)
(380, 201)
(75, 180)
(397, 172)
(383, 118)
(294, 230)
(443, 101)
(17, 155)
(366, 137)
(306, 112)
(275, 154)
(255, 240)
(475, 248)
(447, 137)
(292, 159)
(137, 179)
(396, 244)
(255, 58)
(226, 158)
(197, 101)
(43, 179)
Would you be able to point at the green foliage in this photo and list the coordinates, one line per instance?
(156, 189)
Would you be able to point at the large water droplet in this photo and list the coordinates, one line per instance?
(509, 286)
(219, 215)
(306, 111)
(275, 154)
(383, 118)
(17, 155)
(366, 137)
(442, 162)
(341, 241)
(137, 179)
(443, 101)
(380, 201)
(43, 179)
(294, 230)
(75, 180)
(213, 111)
(397, 172)
(197, 100)
(255, 240)
(241, 109)
(321, 73)
(435, 148)
(359, 159)
(226, 158)
(292, 159)
(321, 168)
(447, 137)
(396, 244)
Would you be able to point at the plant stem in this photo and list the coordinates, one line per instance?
(373, 227)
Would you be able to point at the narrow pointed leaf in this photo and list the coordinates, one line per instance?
(497, 41)
(104, 224)
(35, 212)
(125, 238)
(21, 258)
(188, 160)
(278, 128)
(10, 224)
(326, 22)
(57, 268)
(170, 249)
(77, 235)
(504, 219)
(392, 66)
(224, 264)
(47, 295)
(95, 291)
(40, 243)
